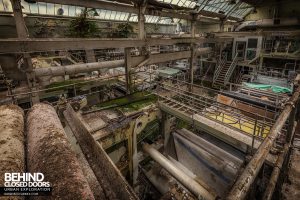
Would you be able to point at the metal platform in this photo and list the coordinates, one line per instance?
(222, 121)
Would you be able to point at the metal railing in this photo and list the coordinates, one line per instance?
(213, 92)
(245, 181)
(234, 118)
(231, 69)
(221, 64)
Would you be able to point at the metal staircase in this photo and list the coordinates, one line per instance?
(224, 72)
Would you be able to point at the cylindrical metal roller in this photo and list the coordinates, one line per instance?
(198, 190)
(12, 155)
(49, 152)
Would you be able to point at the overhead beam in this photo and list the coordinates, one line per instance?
(65, 44)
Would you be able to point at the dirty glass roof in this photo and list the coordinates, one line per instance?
(72, 11)
(234, 8)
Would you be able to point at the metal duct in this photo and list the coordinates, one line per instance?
(269, 23)
(183, 178)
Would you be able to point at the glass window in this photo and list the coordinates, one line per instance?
(66, 10)
(25, 7)
(50, 9)
(34, 8)
(252, 43)
(72, 11)
(7, 5)
(42, 8)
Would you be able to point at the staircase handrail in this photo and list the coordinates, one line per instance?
(222, 62)
(231, 69)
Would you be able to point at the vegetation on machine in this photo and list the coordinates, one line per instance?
(131, 102)
(83, 27)
(124, 30)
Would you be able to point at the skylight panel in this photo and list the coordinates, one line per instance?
(113, 15)
(107, 15)
(124, 16)
(102, 13)
(118, 15)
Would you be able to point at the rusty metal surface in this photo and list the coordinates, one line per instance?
(50, 153)
(109, 177)
(215, 166)
(275, 174)
(191, 184)
(244, 182)
(12, 153)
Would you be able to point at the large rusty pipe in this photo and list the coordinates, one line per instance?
(198, 190)
(244, 182)
(268, 194)
(49, 152)
(77, 68)
(12, 154)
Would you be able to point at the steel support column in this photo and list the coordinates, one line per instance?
(192, 67)
(23, 34)
(90, 55)
(222, 23)
(141, 23)
(165, 127)
(128, 63)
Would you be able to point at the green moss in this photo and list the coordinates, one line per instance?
(131, 102)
